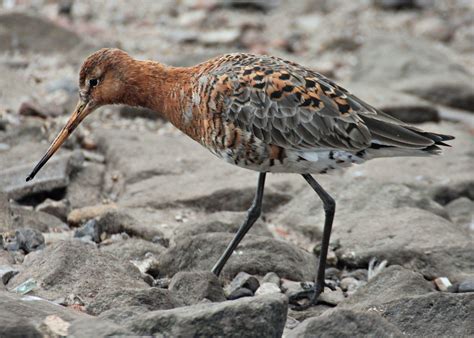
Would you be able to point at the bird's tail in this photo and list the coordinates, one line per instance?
(391, 137)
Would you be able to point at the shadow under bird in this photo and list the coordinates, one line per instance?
(257, 112)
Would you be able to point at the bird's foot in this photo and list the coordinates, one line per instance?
(303, 300)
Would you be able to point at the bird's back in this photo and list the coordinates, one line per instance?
(269, 114)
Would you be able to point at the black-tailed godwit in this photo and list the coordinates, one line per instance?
(257, 112)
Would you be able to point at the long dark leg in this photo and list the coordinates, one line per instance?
(329, 210)
(252, 215)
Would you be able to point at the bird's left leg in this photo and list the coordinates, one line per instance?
(329, 205)
(252, 215)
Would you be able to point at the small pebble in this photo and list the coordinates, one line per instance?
(267, 288)
(242, 280)
(89, 231)
(162, 283)
(239, 293)
(6, 273)
(442, 283)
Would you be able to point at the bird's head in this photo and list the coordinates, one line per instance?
(101, 82)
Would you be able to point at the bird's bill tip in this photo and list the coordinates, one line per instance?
(81, 111)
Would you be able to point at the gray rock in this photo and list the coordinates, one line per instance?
(46, 37)
(90, 231)
(5, 256)
(24, 316)
(394, 235)
(444, 314)
(435, 76)
(192, 287)
(461, 212)
(267, 288)
(53, 176)
(25, 239)
(263, 316)
(240, 293)
(86, 185)
(114, 222)
(93, 327)
(346, 323)
(392, 283)
(255, 255)
(242, 280)
(466, 286)
(38, 220)
(122, 314)
(76, 267)
(6, 273)
(271, 277)
(60, 209)
(132, 249)
(150, 299)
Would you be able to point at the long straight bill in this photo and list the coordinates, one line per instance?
(81, 111)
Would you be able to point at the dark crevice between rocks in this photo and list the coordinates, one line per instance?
(39, 197)
(236, 200)
(445, 194)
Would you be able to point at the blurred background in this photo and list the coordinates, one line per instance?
(130, 185)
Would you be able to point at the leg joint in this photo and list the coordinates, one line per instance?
(330, 204)
(254, 212)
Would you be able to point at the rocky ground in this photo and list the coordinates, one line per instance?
(116, 236)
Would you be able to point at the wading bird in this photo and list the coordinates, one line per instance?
(257, 112)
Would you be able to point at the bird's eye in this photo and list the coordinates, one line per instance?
(93, 82)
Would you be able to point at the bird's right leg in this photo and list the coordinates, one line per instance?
(329, 205)
(252, 215)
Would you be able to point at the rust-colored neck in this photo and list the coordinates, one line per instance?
(164, 89)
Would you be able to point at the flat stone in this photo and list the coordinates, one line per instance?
(149, 298)
(60, 209)
(76, 267)
(262, 316)
(392, 283)
(55, 175)
(255, 255)
(445, 314)
(394, 235)
(192, 287)
(93, 327)
(38, 220)
(346, 323)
